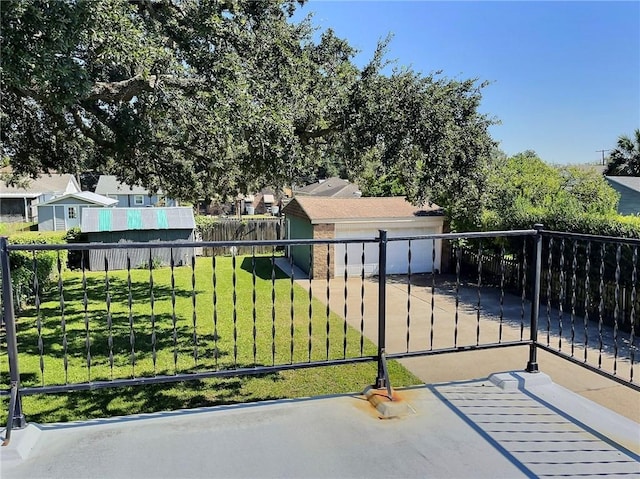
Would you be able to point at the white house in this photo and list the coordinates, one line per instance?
(64, 212)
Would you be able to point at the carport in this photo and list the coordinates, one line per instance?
(348, 218)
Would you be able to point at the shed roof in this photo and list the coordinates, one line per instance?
(127, 219)
(53, 183)
(87, 196)
(631, 182)
(329, 210)
(109, 185)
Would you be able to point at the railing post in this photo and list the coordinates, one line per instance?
(381, 380)
(15, 418)
(532, 364)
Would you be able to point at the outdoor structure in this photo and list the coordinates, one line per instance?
(64, 212)
(629, 189)
(332, 187)
(19, 203)
(131, 196)
(118, 225)
(344, 218)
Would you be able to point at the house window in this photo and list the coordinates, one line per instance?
(138, 200)
(72, 212)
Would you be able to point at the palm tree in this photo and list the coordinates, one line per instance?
(624, 160)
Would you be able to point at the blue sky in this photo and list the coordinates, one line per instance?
(565, 76)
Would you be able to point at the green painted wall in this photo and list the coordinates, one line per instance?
(300, 229)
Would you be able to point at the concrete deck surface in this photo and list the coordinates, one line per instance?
(511, 425)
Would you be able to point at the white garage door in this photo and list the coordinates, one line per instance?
(397, 251)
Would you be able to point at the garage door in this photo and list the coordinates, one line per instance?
(397, 251)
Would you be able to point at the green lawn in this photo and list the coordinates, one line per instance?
(124, 348)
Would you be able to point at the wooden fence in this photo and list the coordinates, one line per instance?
(594, 297)
(232, 229)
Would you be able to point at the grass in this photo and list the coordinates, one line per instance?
(121, 337)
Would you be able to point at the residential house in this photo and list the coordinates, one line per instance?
(131, 196)
(20, 203)
(629, 189)
(62, 213)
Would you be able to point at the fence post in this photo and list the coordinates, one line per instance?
(15, 418)
(381, 380)
(532, 364)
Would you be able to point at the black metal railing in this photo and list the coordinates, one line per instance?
(110, 322)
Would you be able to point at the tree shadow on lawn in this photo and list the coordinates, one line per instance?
(150, 398)
(265, 268)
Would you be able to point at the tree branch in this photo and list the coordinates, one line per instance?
(126, 90)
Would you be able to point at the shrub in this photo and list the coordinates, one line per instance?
(23, 269)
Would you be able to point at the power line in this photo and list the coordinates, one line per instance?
(603, 152)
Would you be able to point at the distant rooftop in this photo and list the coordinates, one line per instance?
(109, 185)
(331, 187)
(631, 182)
(54, 183)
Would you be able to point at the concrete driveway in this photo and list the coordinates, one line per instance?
(430, 321)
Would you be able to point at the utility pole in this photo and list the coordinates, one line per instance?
(603, 152)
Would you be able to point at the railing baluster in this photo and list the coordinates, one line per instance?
(154, 357)
(194, 309)
(587, 291)
(574, 265)
(235, 307)
(273, 305)
(523, 299)
(346, 279)
(328, 308)
(254, 314)
(601, 305)
(549, 289)
(616, 311)
(479, 285)
(173, 315)
(561, 295)
(215, 309)
(457, 316)
(433, 293)
(85, 309)
(632, 315)
(311, 273)
(362, 273)
(502, 271)
(291, 308)
(408, 293)
(132, 335)
(63, 321)
(36, 290)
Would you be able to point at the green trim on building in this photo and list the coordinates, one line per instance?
(104, 220)
(134, 219)
(163, 223)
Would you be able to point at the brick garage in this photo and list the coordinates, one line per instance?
(329, 218)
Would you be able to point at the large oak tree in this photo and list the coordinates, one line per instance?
(212, 97)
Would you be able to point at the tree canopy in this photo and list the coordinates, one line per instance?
(624, 160)
(523, 189)
(215, 97)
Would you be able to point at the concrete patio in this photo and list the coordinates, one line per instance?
(509, 425)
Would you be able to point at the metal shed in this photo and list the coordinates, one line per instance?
(121, 225)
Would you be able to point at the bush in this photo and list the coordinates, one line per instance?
(22, 264)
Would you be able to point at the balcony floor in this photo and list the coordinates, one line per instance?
(513, 424)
